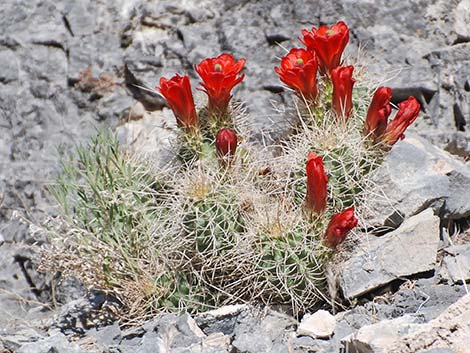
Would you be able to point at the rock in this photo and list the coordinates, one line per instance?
(410, 249)
(462, 19)
(151, 137)
(424, 297)
(188, 326)
(56, 343)
(69, 289)
(21, 287)
(320, 324)
(221, 320)
(457, 262)
(449, 330)
(216, 340)
(379, 337)
(105, 336)
(257, 333)
(416, 175)
(11, 341)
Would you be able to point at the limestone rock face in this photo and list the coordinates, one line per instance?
(150, 136)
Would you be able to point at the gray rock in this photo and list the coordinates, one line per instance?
(410, 249)
(11, 341)
(45, 45)
(451, 330)
(56, 343)
(423, 297)
(221, 320)
(462, 19)
(416, 175)
(379, 337)
(257, 333)
(105, 336)
(68, 289)
(151, 137)
(457, 262)
(21, 287)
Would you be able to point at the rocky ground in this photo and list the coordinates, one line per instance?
(62, 77)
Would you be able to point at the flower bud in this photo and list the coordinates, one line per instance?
(340, 225)
(177, 92)
(378, 113)
(342, 90)
(226, 144)
(316, 184)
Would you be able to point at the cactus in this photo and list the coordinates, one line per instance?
(231, 222)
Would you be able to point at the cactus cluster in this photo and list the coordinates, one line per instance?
(230, 221)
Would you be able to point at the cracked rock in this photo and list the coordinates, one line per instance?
(410, 249)
(414, 176)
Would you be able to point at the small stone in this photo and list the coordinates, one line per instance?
(187, 326)
(320, 324)
(218, 340)
(457, 262)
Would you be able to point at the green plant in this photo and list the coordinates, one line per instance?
(217, 228)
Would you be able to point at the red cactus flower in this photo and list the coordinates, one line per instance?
(219, 76)
(299, 71)
(226, 144)
(407, 114)
(177, 92)
(342, 90)
(340, 225)
(378, 113)
(328, 43)
(316, 183)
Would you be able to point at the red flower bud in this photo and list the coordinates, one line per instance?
(328, 43)
(316, 183)
(378, 113)
(408, 112)
(226, 144)
(177, 92)
(299, 72)
(340, 225)
(342, 90)
(219, 76)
